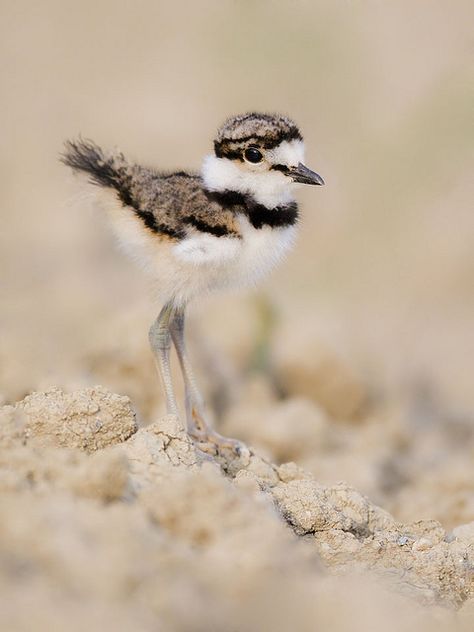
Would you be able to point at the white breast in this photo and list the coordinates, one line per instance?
(211, 263)
(262, 249)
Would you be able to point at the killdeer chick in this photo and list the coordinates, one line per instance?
(197, 233)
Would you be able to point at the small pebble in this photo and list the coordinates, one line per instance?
(422, 544)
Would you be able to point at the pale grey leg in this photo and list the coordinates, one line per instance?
(160, 341)
(197, 425)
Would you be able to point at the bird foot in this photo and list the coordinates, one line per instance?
(212, 442)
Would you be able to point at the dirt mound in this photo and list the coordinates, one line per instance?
(107, 525)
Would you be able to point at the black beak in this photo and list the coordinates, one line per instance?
(304, 175)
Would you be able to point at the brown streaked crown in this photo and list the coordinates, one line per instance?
(253, 128)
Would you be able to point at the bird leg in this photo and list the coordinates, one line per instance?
(160, 341)
(197, 425)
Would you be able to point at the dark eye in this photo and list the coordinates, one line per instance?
(253, 155)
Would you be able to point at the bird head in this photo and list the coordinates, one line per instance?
(261, 155)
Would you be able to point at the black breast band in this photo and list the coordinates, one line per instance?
(258, 214)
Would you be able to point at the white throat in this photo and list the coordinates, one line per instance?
(270, 188)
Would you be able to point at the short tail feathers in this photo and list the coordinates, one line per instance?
(103, 170)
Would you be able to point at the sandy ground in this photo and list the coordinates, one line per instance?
(105, 524)
(354, 361)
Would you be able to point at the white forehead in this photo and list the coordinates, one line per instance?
(288, 153)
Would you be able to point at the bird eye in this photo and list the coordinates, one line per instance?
(253, 155)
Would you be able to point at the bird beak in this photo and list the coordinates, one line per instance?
(304, 175)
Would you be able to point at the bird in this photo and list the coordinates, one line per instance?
(225, 227)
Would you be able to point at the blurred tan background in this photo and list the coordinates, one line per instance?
(355, 359)
(382, 274)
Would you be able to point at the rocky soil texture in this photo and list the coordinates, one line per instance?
(107, 525)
